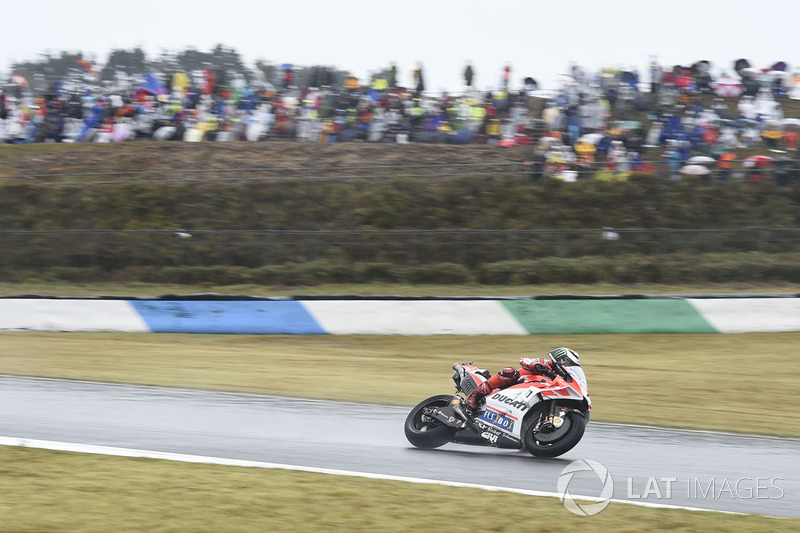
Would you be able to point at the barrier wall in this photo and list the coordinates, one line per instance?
(396, 316)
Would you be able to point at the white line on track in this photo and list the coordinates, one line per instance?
(150, 454)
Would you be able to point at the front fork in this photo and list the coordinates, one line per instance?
(552, 420)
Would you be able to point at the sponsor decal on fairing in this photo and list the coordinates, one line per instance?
(498, 419)
(511, 402)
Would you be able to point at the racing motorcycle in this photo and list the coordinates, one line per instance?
(546, 415)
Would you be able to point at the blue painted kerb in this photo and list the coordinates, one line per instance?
(242, 317)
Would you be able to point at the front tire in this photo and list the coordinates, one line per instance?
(424, 431)
(553, 442)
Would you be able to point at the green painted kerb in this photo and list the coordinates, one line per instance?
(608, 316)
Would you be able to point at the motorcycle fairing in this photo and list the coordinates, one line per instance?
(499, 419)
(506, 408)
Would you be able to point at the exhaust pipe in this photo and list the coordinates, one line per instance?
(456, 404)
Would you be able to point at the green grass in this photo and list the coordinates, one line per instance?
(64, 288)
(42, 490)
(722, 382)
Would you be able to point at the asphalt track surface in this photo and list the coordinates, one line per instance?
(721, 471)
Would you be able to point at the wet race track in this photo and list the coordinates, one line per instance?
(740, 473)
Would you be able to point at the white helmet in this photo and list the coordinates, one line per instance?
(565, 357)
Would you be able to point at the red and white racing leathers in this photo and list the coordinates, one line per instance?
(529, 366)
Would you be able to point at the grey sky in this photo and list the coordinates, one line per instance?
(537, 38)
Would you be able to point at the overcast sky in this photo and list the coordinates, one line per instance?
(537, 38)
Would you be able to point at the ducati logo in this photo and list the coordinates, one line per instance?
(502, 398)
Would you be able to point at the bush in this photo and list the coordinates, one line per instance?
(380, 272)
(313, 273)
(478, 202)
(445, 273)
(671, 268)
(668, 269)
(509, 273)
(215, 275)
(73, 274)
(268, 275)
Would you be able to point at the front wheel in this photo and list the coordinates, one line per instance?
(424, 431)
(542, 439)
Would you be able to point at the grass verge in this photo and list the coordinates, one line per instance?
(77, 289)
(719, 382)
(43, 490)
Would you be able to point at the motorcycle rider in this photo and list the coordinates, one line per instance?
(529, 367)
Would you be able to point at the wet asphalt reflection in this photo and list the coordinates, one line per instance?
(742, 473)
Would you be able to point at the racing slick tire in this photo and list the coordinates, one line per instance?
(557, 441)
(424, 431)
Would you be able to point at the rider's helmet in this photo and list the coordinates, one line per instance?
(565, 357)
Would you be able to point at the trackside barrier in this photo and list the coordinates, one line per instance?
(211, 313)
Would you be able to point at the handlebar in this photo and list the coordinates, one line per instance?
(561, 371)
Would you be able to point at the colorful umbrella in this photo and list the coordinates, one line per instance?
(695, 170)
(547, 141)
(701, 160)
(757, 161)
(728, 88)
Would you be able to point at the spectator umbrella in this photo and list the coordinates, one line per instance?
(701, 160)
(728, 88)
(757, 161)
(695, 170)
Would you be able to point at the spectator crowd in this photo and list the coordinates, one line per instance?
(191, 108)
(600, 125)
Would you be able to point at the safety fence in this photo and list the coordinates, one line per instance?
(113, 249)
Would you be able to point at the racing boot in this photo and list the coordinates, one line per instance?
(501, 380)
(475, 400)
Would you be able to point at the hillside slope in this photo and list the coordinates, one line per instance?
(150, 155)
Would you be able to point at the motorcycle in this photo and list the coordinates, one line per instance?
(543, 414)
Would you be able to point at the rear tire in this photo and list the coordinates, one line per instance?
(424, 431)
(558, 441)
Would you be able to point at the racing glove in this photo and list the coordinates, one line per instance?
(540, 368)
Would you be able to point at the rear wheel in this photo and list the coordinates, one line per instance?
(425, 431)
(543, 439)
